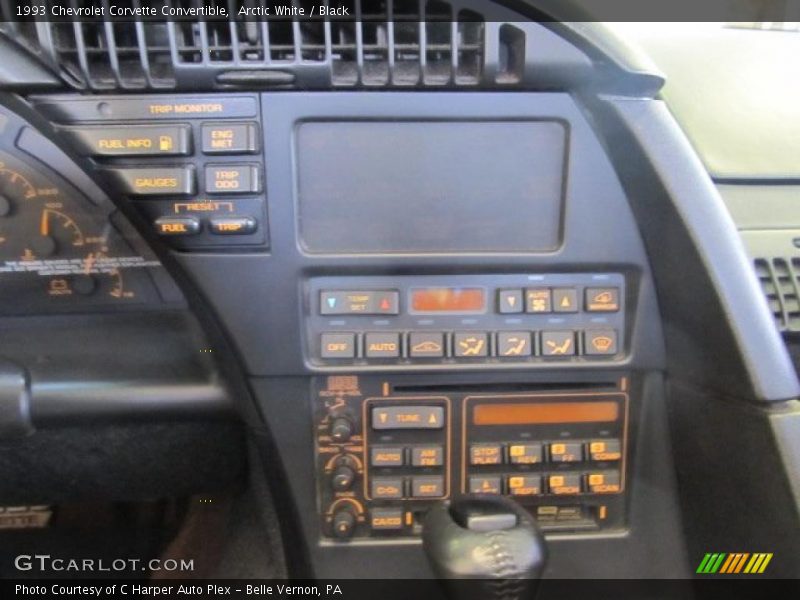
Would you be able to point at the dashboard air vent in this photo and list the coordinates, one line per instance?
(780, 281)
(386, 43)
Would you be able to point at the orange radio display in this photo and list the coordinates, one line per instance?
(545, 413)
(448, 300)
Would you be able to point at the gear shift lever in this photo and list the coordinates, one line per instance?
(486, 538)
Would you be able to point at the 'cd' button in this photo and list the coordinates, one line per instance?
(232, 225)
(177, 226)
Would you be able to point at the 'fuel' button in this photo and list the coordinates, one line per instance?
(177, 226)
(232, 225)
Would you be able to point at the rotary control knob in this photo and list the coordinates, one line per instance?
(344, 523)
(341, 429)
(343, 478)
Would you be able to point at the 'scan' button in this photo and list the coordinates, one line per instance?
(230, 138)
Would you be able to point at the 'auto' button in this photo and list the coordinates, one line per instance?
(232, 225)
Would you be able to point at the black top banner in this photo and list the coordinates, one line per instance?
(786, 12)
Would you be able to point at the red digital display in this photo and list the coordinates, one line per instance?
(448, 300)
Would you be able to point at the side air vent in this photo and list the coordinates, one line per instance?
(780, 281)
(386, 43)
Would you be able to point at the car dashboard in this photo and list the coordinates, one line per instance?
(372, 266)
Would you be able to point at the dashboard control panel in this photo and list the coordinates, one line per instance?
(192, 165)
(386, 451)
(499, 319)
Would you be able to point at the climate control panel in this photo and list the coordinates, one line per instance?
(387, 450)
(504, 320)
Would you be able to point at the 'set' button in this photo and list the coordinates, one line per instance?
(232, 225)
(177, 226)
(427, 487)
(386, 487)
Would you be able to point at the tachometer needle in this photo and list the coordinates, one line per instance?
(89, 263)
(44, 227)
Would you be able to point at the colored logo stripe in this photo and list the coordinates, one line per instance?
(733, 563)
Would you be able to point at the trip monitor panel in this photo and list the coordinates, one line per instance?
(414, 187)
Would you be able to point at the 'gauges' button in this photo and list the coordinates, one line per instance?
(155, 181)
(232, 225)
(338, 345)
(230, 138)
(177, 226)
(133, 140)
(232, 179)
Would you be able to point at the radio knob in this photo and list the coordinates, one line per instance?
(344, 522)
(341, 429)
(343, 478)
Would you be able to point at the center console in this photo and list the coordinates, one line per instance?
(387, 449)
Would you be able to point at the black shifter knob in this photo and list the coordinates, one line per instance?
(487, 538)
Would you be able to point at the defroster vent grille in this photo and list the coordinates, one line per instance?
(388, 43)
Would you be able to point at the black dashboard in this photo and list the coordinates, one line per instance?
(477, 256)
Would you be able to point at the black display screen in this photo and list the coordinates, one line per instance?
(439, 187)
